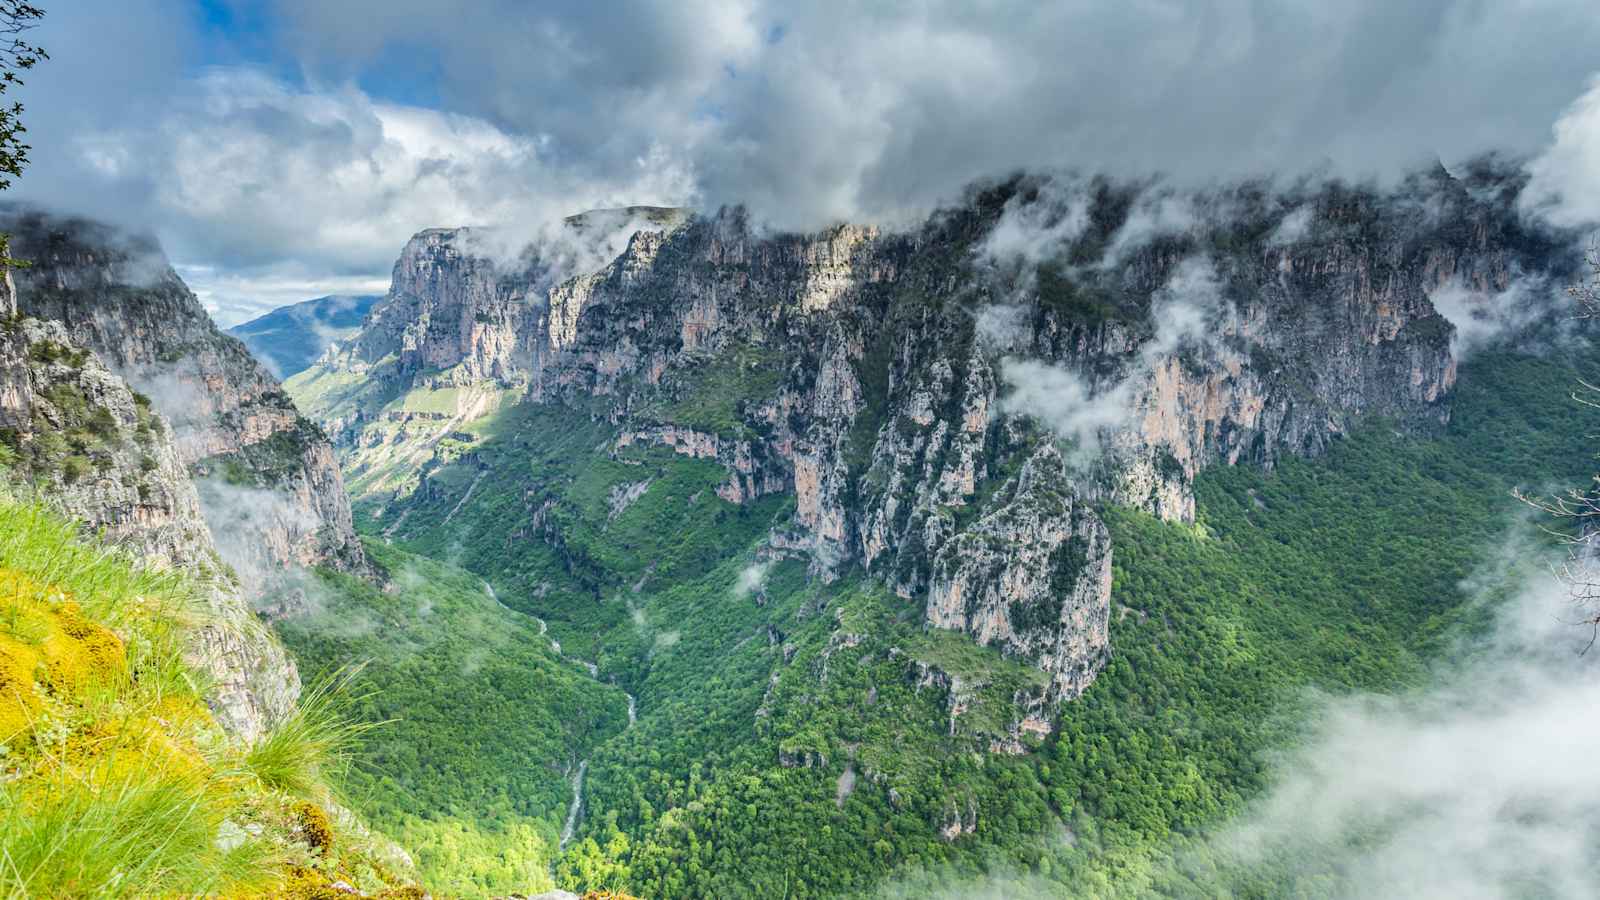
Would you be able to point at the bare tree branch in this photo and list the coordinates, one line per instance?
(1587, 292)
(1579, 508)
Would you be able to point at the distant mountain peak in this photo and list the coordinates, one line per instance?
(289, 339)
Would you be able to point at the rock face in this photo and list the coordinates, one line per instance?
(101, 454)
(1031, 576)
(271, 488)
(947, 404)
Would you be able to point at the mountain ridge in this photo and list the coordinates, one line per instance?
(876, 388)
(233, 424)
(289, 339)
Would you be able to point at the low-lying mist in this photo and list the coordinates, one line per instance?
(1477, 784)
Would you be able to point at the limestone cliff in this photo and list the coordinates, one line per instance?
(947, 404)
(76, 433)
(271, 488)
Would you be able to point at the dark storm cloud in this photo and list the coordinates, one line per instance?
(875, 110)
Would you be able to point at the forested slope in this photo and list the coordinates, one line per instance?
(814, 738)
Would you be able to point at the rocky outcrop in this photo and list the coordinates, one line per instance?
(76, 433)
(751, 472)
(272, 485)
(1031, 576)
(945, 408)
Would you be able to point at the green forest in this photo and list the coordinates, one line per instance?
(480, 719)
(796, 738)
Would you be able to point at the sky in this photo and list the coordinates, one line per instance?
(284, 149)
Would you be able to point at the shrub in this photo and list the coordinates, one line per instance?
(128, 829)
(74, 467)
(313, 825)
(118, 782)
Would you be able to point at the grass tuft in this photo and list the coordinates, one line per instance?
(127, 829)
(312, 748)
(115, 779)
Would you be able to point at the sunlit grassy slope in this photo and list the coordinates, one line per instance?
(116, 779)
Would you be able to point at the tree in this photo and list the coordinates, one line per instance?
(1581, 506)
(16, 55)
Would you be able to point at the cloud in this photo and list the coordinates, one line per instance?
(1294, 227)
(561, 248)
(1064, 401)
(1565, 178)
(1187, 310)
(266, 192)
(602, 85)
(311, 146)
(1035, 228)
(1183, 308)
(233, 296)
(919, 100)
(256, 173)
(243, 519)
(1482, 318)
(1480, 785)
(1003, 326)
(1154, 214)
(751, 579)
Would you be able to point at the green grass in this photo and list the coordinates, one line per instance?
(312, 748)
(86, 810)
(139, 833)
(118, 781)
(159, 605)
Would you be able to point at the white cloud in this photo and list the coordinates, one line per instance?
(1065, 401)
(751, 579)
(233, 296)
(1565, 183)
(1294, 227)
(1003, 326)
(1154, 213)
(1036, 229)
(270, 195)
(805, 113)
(1481, 317)
(1479, 786)
(1183, 308)
(1187, 310)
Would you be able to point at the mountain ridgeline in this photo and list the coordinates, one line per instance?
(869, 375)
(289, 339)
